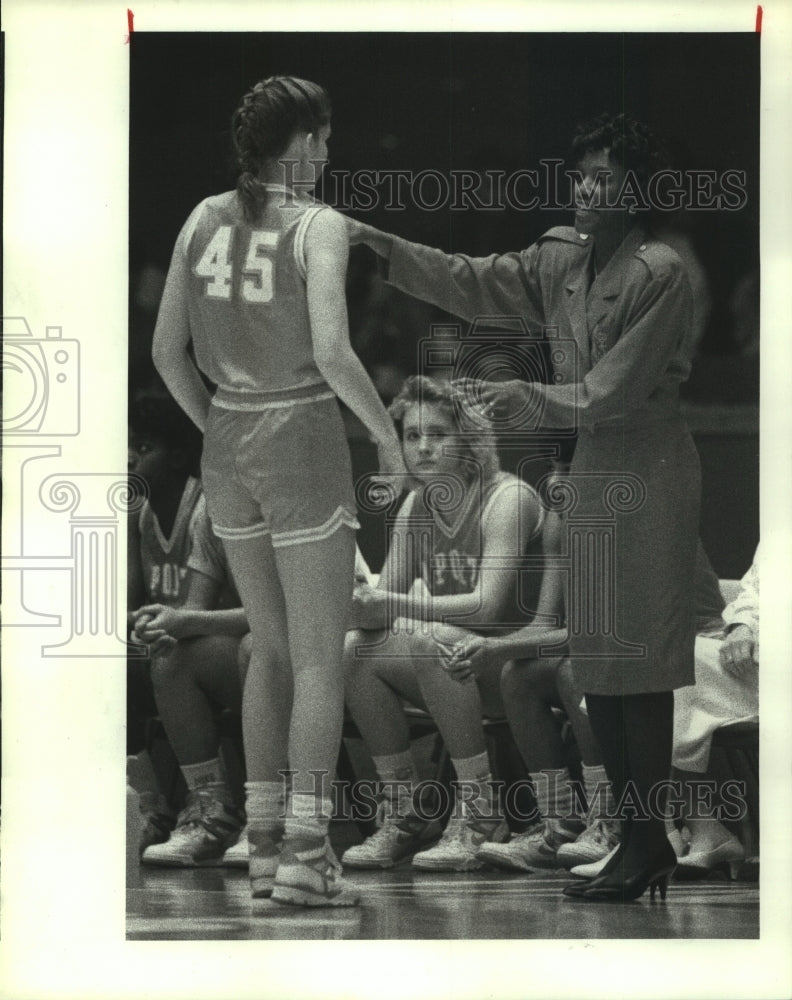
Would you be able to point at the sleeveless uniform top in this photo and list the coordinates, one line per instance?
(164, 560)
(208, 556)
(246, 296)
(192, 545)
(451, 562)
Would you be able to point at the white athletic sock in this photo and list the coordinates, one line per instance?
(399, 776)
(265, 804)
(208, 776)
(599, 793)
(478, 797)
(308, 816)
(554, 795)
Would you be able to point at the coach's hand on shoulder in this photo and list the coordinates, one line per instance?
(493, 400)
(378, 241)
(356, 231)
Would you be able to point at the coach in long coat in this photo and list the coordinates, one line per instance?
(620, 390)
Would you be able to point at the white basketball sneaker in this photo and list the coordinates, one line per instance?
(397, 839)
(459, 849)
(535, 848)
(594, 843)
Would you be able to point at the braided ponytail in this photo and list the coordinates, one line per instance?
(263, 125)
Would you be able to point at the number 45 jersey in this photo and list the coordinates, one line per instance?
(240, 287)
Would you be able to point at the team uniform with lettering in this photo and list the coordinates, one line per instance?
(275, 460)
(164, 559)
(166, 562)
(450, 561)
(191, 547)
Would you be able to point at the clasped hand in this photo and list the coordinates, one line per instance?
(467, 657)
(159, 627)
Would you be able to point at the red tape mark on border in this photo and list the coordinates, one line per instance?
(759, 20)
(130, 24)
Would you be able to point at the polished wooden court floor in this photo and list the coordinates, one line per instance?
(214, 904)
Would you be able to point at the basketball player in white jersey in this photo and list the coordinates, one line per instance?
(257, 284)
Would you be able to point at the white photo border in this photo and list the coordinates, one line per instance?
(62, 922)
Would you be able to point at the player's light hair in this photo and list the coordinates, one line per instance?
(476, 438)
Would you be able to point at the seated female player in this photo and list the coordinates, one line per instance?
(183, 606)
(194, 651)
(449, 573)
(200, 656)
(536, 680)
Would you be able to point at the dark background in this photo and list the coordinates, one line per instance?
(475, 101)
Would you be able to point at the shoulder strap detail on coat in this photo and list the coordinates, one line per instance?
(566, 234)
(659, 258)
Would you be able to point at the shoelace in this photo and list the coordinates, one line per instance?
(524, 837)
(386, 834)
(379, 819)
(388, 813)
(198, 806)
(600, 833)
(191, 813)
(534, 834)
(335, 864)
(387, 821)
(453, 833)
(328, 864)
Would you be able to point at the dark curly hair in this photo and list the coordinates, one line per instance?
(155, 415)
(264, 123)
(632, 145)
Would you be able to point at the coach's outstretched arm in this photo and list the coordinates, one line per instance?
(498, 285)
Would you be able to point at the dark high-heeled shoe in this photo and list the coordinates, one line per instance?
(622, 887)
(575, 889)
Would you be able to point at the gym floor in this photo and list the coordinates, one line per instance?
(214, 904)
